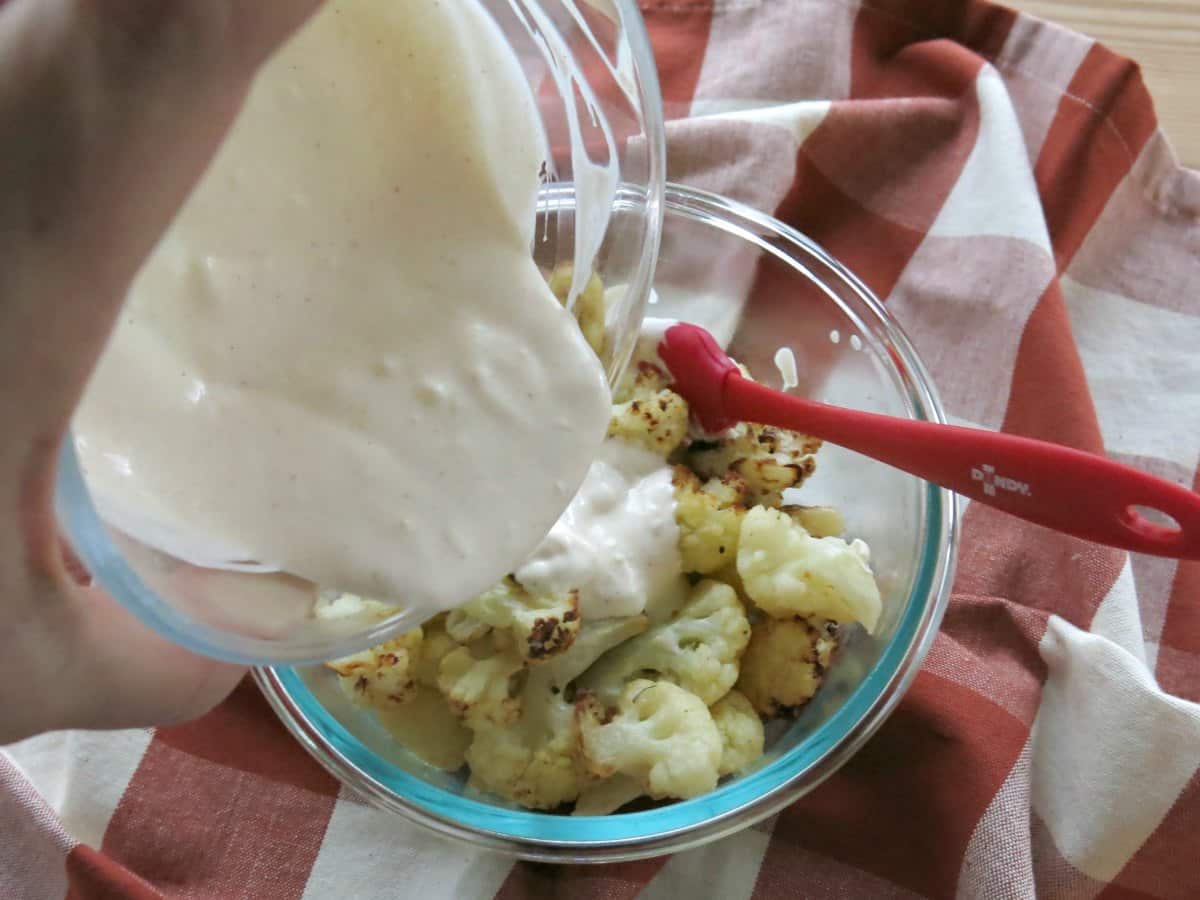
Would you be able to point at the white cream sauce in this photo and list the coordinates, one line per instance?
(341, 362)
(785, 362)
(618, 542)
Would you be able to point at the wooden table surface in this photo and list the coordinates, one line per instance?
(1162, 35)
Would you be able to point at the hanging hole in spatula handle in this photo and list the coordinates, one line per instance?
(1140, 520)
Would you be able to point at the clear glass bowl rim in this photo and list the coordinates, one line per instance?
(731, 807)
(90, 539)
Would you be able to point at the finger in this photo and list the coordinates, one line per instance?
(109, 112)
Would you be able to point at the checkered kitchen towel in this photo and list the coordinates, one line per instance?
(1002, 183)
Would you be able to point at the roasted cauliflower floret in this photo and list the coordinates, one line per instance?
(464, 628)
(643, 378)
(698, 649)
(661, 734)
(540, 626)
(481, 691)
(771, 460)
(536, 768)
(435, 644)
(741, 731)
(819, 521)
(645, 409)
(349, 606)
(536, 760)
(590, 309)
(787, 572)
(609, 795)
(658, 422)
(785, 664)
(710, 519)
(384, 676)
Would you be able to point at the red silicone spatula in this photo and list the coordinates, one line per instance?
(1071, 491)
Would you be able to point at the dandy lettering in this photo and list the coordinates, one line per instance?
(993, 482)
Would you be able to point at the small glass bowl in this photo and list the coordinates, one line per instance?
(264, 619)
(759, 285)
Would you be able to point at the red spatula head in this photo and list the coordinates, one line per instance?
(699, 368)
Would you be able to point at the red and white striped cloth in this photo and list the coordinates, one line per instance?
(1002, 183)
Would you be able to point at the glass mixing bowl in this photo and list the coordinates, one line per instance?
(758, 285)
(265, 619)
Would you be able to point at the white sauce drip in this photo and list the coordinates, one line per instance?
(595, 182)
(342, 362)
(617, 543)
(785, 362)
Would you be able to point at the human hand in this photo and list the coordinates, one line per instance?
(109, 112)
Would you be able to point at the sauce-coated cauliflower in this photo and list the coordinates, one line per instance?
(709, 516)
(698, 648)
(383, 676)
(785, 664)
(741, 731)
(536, 760)
(661, 734)
(787, 572)
(770, 460)
(541, 627)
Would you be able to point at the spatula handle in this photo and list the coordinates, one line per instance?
(1079, 493)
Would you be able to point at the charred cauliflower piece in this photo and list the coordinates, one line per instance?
(541, 627)
(785, 664)
(661, 734)
(384, 676)
(709, 516)
(741, 731)
(590, 308)
(787, 572)
(535, 760)
(648, 413)
(643, 378)
(698, 649)
(770, 460)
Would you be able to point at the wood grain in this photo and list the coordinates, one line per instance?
(1163, 36)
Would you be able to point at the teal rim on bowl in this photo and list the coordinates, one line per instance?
(818, 748)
